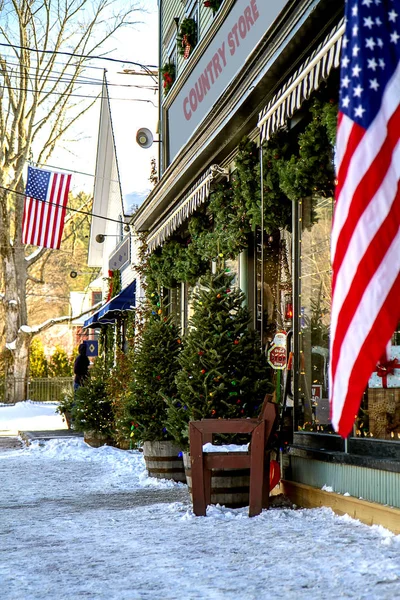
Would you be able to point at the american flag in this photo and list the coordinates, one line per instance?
(46, 197)
(365, 235)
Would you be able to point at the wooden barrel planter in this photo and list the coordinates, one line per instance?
(164, 461)
(97, 439)
(229, 487)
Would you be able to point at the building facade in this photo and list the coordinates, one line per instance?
(248, 103)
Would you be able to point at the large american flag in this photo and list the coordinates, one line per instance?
(365, 235)
(46, 197)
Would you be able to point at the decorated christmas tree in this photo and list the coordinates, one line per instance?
(223, 373)
(155, 364)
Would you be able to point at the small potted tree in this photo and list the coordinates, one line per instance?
(154, 366)
(91, 408)
(223, 373)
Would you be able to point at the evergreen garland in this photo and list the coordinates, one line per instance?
(277, 206)
(311, 170)
(233, 211)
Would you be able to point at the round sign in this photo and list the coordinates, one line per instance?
(277, 357)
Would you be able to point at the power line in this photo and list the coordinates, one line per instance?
(83, 212)
(87, 56)
(77, 95)
(86, 81)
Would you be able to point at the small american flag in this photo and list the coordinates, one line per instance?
(366, 227)
(46, 197)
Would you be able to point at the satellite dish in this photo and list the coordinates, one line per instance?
(100, 238)
(144, 137)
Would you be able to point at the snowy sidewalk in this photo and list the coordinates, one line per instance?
(79, 522)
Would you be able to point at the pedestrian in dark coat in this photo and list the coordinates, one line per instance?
(81, 367)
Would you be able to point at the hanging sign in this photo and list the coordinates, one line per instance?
(244, 27)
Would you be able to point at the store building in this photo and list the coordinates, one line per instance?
(253, 69)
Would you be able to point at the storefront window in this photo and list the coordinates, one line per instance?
(379, 414)
(274, 305)
(315, 218)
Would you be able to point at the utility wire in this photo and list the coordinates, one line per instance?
(77, 95)
(84, 81)
(61, 205)
(87, 56)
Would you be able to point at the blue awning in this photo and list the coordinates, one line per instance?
(126, 300)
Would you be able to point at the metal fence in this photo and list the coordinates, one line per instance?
(44, 389)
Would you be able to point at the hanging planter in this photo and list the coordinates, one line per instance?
(213, 4)
(168, 73)
(187, 38)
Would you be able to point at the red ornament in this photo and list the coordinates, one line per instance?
(203, 371)
(236, 342)
(200, 353)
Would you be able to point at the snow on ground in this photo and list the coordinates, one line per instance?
(30, 416)
(79, 522)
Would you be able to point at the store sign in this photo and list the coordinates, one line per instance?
(121, 255)
(237, 37)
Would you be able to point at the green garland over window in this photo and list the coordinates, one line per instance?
(290, 172)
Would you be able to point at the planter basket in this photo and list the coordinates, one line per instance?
(229, 487)
(96, 439)
(163, 461)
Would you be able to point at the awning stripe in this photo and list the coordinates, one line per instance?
(302, 83)
(196, 196)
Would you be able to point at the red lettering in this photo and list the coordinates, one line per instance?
(242, 27)
(217, 66)
(221, 52)
(186, 112)
(209, 70)
(231, 44)
(205, 84)
(248, 17)
(254, 9)
(234, 31)
(193, 100)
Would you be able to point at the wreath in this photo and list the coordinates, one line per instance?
(213, 4)
(168, 73)
(187, 38)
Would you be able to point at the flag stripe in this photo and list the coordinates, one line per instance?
(46, 198)
(358, 274)
(365, 241)
(367, 339)
(364, 195)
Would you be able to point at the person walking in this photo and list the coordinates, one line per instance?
(81, 367)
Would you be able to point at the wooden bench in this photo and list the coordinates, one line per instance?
(256, 458)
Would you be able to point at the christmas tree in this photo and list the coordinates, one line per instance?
(155, 364)
(92, 408)
(223, 373)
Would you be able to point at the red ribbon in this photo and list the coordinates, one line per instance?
(385, 368)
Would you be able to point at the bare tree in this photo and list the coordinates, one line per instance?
(44, 48)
